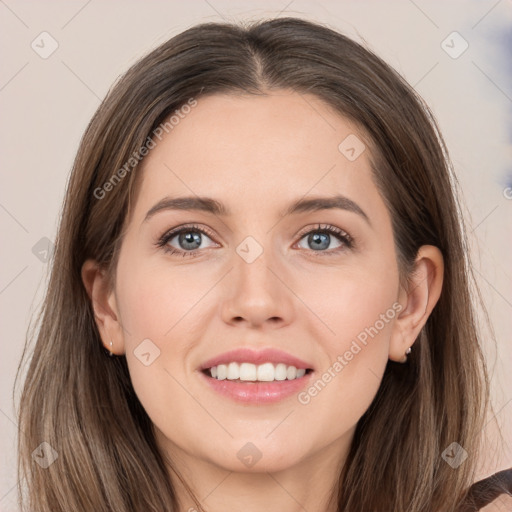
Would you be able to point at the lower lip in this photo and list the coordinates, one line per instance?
(257, 392)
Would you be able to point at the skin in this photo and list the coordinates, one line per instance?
(257, 154)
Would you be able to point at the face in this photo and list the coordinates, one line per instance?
(317, 284)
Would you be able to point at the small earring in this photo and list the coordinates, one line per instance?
(111, 353)
(407, 352)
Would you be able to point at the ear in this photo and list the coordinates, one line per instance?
(417, 301)
(104, 305)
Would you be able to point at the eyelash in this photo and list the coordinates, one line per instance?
(163, 241)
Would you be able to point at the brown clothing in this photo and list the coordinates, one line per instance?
(485, 491)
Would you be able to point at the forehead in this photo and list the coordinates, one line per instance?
(249, 151)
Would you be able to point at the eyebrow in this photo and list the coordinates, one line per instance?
(210, 205)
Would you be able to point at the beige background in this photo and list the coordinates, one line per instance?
(47, 102)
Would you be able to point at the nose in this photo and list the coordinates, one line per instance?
(258, 293)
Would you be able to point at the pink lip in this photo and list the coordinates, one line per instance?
(257, 392)
(246, 355)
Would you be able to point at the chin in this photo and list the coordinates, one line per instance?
(257, 456)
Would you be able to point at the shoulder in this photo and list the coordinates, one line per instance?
(488, 490)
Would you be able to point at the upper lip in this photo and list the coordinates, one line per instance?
(246, 355)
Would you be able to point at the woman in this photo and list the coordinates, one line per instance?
(314, 349)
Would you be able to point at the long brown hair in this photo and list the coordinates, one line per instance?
(81, 402)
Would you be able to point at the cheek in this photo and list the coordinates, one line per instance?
(362, 311)
(351, 301)
(155, 308)
(155, 303)
(358, 320)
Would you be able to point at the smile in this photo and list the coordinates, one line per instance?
(256, 391)
(248, 372)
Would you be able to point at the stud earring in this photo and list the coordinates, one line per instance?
(407, 352)
(111, 353)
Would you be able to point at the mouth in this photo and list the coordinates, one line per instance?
(256, 378)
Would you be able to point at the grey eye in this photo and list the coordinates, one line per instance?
(318, 241)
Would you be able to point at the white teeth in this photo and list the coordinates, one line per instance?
(222, 371)
(291, 372)
(233, 371)
(266, 372)
(247, 371)
(280, 372)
